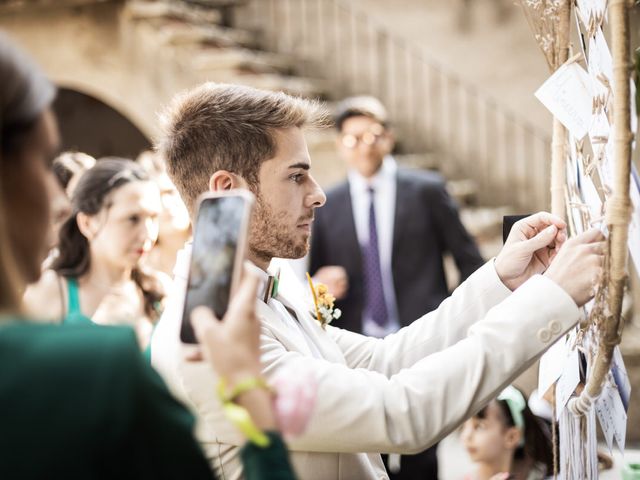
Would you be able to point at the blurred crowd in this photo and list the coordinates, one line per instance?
(89, 271)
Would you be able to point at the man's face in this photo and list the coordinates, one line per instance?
(286, 199)
(363, 143)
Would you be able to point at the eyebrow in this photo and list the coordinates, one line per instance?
(303, 165)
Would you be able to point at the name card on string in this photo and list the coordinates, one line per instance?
(552, 363)
(612, 415)
(568, 381)
(567, 94)
(633, 241)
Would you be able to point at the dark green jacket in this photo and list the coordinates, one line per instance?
(80, 402)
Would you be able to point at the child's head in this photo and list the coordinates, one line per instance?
(505, 433)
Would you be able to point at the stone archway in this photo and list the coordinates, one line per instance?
(78, 115)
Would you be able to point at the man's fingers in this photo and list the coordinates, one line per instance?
(246, 295)
(203, 320)
(542, 239)
(590, 236)
(541, 220)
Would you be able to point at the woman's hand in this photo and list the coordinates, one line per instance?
(233, 344)
(233, 347)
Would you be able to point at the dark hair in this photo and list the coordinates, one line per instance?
(25, 93)
(360, 106)
(537, 447)
(69, 164)
(90, 196)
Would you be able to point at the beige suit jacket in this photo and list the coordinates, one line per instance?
(398, 394)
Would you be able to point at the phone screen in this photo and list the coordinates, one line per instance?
(220, 223)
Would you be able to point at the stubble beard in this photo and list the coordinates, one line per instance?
(269, 235)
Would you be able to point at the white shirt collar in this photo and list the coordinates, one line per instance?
(386, 172)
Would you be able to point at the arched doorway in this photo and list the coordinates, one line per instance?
(89, 125)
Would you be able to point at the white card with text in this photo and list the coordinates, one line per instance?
(567, 94)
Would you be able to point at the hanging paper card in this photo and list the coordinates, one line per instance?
(634, 226)
(552, 362)
(634, 114)
(600, 62)
(591, 12)
(621, 378)
(567, 95)
(568, 381)
(612, 416)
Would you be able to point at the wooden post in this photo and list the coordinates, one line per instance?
(619, 205)
(559, 139)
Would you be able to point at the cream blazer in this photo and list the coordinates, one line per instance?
(399, 394)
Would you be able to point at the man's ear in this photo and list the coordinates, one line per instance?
(225, 180)
(87, 225)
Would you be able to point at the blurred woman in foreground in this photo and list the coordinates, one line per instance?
(78, 401)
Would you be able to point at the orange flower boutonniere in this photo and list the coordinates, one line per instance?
(323, 302)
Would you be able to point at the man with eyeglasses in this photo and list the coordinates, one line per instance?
(379, 241)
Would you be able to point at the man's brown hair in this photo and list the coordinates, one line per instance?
(227, 127)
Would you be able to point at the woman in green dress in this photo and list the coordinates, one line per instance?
(78, 401)
(99, 274)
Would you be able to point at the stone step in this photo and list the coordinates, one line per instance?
(149, 10)
(242, 60)
(182, 24)
(297, 86)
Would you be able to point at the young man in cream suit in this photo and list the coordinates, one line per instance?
(399, 394)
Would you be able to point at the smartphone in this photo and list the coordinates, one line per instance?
(219, 249)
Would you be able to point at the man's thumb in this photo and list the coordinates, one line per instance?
(542, 239)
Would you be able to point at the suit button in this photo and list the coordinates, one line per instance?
(544, 335)
(555, 327)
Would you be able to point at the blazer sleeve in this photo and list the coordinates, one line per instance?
(359, 410)
(435, 331)
(452, 234)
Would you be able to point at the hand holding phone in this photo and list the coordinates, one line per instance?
(219, 246)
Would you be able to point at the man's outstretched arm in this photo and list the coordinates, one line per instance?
(529, 250)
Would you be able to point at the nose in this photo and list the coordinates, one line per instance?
(316, 197)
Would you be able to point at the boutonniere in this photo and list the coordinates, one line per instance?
(323, 301)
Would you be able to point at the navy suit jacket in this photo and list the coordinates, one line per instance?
(426, 225)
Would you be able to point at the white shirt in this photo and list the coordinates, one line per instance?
(384, 185)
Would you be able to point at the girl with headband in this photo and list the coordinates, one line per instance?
(506, 441)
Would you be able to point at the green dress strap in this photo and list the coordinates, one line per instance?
(74, 314)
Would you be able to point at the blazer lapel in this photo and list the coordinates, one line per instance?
(312, 329)
(273, 320)
(403, 204)
(344, 225)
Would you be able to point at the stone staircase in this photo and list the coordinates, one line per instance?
(193, 35)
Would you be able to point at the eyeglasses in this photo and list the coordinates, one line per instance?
(368, 138)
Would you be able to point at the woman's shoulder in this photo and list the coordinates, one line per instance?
(44, 299)
(67, 340)
(68, 353)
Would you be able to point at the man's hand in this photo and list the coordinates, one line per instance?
(578, 266)
(335, 278)
(233, 344)
(530, 247)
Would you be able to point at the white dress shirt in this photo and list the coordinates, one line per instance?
(384, 186)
